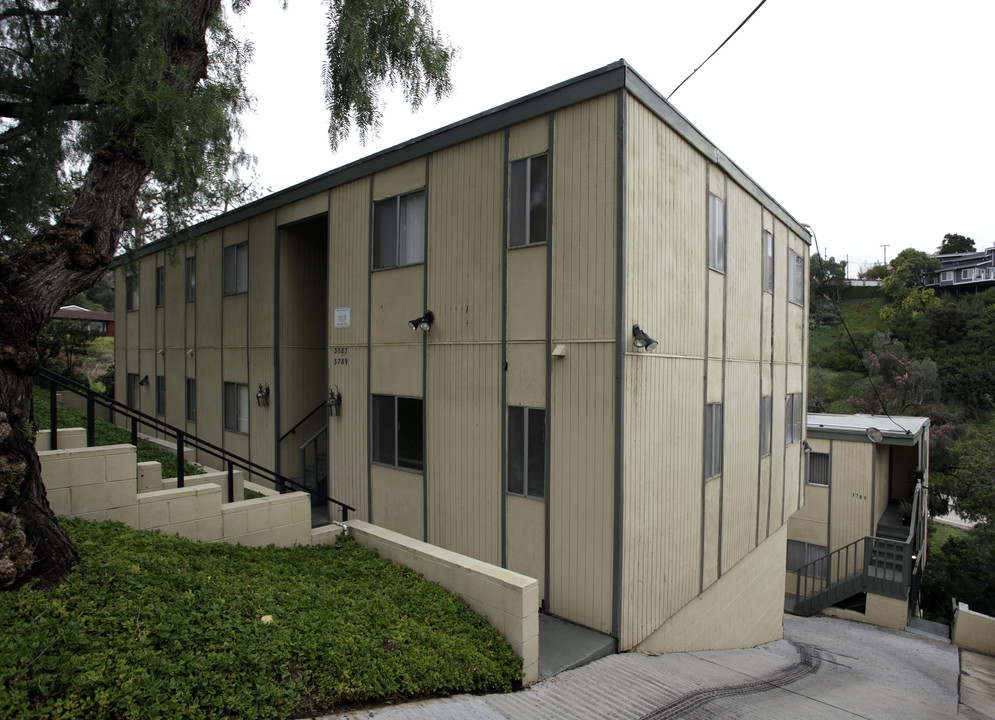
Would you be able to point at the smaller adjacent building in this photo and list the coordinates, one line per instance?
(102, 322)
(964, 272)
(856, 546)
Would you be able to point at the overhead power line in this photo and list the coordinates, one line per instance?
(718, 48)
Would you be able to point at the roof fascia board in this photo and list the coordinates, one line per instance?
(861, 437)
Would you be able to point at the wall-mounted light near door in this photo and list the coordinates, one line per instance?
(334, 401)
(423, 323)
(262, 395)
(144, 381)
(642, 340)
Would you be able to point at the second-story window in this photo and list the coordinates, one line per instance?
(160, 285)
(131, 293)
(528, 199)
(768, 262)
(191, 279)
(236, 268)
(399, 231)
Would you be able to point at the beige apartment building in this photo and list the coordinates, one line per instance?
(859, 542)
(566, 336)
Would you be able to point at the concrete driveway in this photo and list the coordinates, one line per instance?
(823, 668)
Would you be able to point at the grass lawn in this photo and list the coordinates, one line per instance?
(940, 533)
(153, 626)
(106, 433)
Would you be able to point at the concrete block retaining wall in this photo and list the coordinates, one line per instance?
(509, 600)
(973, 631)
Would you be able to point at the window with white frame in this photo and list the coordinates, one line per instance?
(191, 400)
(160, 285)
(160, 394)
(796, 278)
(527, 451)
(399, 231)
(793, 413)
(716, 233)
(130, 293)
(235, 262)
(967, 274)
(191, 279)
(947, 276)
(713, 439)
(528, 200)
(131, 390)
(768, 262)
(818, 469)
(236, 400)
(398, 432)
(766, 423)
(808, 557)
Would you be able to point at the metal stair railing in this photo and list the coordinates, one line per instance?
(181, 437)
(869, 564)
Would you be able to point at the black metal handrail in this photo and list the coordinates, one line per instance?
(181, 437)
(300, 422)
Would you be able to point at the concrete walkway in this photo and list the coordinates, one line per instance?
(825, 668)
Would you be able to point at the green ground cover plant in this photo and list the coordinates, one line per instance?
(105, 433)
(153, 626)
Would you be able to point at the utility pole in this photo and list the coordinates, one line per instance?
(885, 254)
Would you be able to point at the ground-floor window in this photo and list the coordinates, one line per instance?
(160, 394)
(713, 439)
(191, 400)
(804, 556)
(527, 451)
(236, 407)
(818, 469)
(131, 390)
(398, 432)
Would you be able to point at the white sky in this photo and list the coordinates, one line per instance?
(870, 120)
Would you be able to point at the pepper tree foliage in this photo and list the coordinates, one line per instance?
(101, 100)
(954, 243)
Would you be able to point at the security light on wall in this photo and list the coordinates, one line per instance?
(642, 340)
(423, 323)
(334, 401)
(262, 395)
(144, 381)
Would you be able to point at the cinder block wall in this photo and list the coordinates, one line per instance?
(509, 600)
(97, 483)
(736, 611)
(67, 439)
(973, 631)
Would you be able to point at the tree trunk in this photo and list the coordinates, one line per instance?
(56, 264)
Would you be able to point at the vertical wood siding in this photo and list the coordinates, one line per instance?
(463, 374)
(348, 284)
(850, 509)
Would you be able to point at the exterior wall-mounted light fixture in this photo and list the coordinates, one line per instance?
(262, 395)
(423, 323)
(334, 401)
(144, 381)
(642, 340)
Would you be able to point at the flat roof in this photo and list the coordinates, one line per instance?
(616, 76)
(894, 429)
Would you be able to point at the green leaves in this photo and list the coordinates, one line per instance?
(155, 626)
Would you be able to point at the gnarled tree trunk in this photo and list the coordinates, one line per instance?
(34, 282)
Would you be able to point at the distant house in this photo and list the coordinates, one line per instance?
(964, 272)
(475, 307)
(850, 550)
(102, 322)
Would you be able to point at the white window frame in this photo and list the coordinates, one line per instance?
(235, 407)
(713, 440)
(528, 201)
(796, 278)
(190, 413)
(235, 268)
(716, 233)
(190, 279)
(160, 395)
(818, 469)
(409, 425)
(767, 246)
(947, 276)
(799, 554)
(967, 274)
(766, 424)
(160, 285)
(524, 479)
(408, 214)
(793, 415)
(130, 293)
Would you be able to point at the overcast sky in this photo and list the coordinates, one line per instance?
(870, 120)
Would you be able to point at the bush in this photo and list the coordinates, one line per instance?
(152, 626)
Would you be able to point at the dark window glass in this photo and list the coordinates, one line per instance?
(537, 453)
(538, 185)
(527, 452)
(191, 413)
(385, 233)
(409, 433)
(160, 286)
(528, 199)
(235, 263)
(191, 279)
(384, 429)
(818, 468)
(160, 395)
(516, 450)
